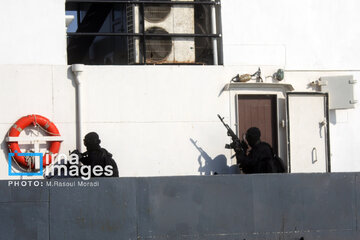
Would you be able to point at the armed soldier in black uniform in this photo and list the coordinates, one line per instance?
(97, 156)
(260, 159)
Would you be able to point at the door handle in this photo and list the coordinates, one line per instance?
(322, 125)
(314, 155)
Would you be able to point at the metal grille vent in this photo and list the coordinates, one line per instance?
(156, 13)
(130, 29)
(157, 48)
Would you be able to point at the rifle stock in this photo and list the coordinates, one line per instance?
(236, 142)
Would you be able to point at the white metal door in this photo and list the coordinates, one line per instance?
(308, 132)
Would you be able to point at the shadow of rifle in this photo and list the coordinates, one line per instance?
(206, 168)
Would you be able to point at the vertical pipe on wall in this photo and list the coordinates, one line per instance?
(77, 69)
(214, 31)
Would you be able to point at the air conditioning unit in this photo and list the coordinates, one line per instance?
(163, 19)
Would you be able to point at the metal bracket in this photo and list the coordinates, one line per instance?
(353, 101)
(282, 123)
(322, 82)
(352, 81)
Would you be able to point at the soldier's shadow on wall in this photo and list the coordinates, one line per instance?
(213, 166)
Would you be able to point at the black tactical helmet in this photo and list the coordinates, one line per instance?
(92, 139)
(253, 136)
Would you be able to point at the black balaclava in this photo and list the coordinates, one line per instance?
(253, 136)
(92, 141)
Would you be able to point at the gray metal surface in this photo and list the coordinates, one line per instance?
(194, 207)
(103, 212)
(227, 207)
(24, 212)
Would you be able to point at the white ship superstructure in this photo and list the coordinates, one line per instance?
(153, 77)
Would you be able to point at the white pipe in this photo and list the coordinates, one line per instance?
(136, 20)
(213, 31)
(77, 69)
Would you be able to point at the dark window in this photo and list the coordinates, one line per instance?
(120, 32)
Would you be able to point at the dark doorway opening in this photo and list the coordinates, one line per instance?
(259, 111)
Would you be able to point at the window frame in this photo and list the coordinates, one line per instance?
(142, 35)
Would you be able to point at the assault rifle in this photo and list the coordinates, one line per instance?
(236, 144)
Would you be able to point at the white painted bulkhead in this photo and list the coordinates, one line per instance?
(146, 115)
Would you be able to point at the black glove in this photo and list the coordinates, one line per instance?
(237, 147)
(228, 133)
(77, 152)
(244, 145)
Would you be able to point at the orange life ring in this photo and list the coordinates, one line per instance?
(45, 124)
